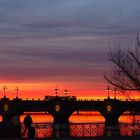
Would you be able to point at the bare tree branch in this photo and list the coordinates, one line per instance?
(126, 75)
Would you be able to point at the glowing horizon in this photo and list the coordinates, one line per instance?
(39, 91)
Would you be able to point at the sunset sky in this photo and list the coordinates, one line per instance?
(63, 43)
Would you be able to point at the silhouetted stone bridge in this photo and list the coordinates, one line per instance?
(61, 108)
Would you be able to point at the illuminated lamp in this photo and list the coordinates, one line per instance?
(57, 108)
(5, 107)
(109, 108)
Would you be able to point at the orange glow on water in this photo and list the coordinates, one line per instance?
(42, 117)
(86, 116)
(129, 118)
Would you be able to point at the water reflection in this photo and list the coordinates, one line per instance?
(129, 117)
(38, 117)
(86, 117)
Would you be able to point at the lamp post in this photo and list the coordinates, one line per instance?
(56, 91)
(4, 90)
(115, 92)
(17, 91)
(66, 92)
(108, 90)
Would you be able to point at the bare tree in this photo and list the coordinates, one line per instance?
(126, 74)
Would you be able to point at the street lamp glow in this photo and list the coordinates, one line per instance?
(115, 92)
(17, 91)
(66, 92)
(56, 91)
(108, 90)
(4, 90)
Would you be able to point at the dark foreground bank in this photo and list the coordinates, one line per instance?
(101, 138)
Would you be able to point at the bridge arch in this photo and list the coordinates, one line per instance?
(86, 117)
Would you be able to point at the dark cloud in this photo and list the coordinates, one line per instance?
(71, 17)
(62, 39)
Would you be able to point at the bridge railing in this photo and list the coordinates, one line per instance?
(45, 130)
(129, 129)
(89, 99)
(42, 130)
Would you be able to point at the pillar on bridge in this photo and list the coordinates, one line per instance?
(61, 110)
(61, 126)
(111, 120)
(111, 114)
(61, 119)
(7, 118)
(60, 113)
(111, 125)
